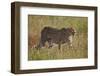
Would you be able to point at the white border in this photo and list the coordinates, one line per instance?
(25, 64)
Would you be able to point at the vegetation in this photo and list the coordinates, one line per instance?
(80, 43)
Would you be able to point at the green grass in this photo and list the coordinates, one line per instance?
(80, 45)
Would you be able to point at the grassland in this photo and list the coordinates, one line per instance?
(80, 45)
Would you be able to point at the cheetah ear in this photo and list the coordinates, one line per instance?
(71, 27)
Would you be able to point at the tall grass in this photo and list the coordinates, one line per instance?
(80, 48)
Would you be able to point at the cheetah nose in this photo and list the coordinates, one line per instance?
(75, 31)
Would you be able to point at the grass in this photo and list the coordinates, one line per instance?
(79, 50)
(80, 45)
